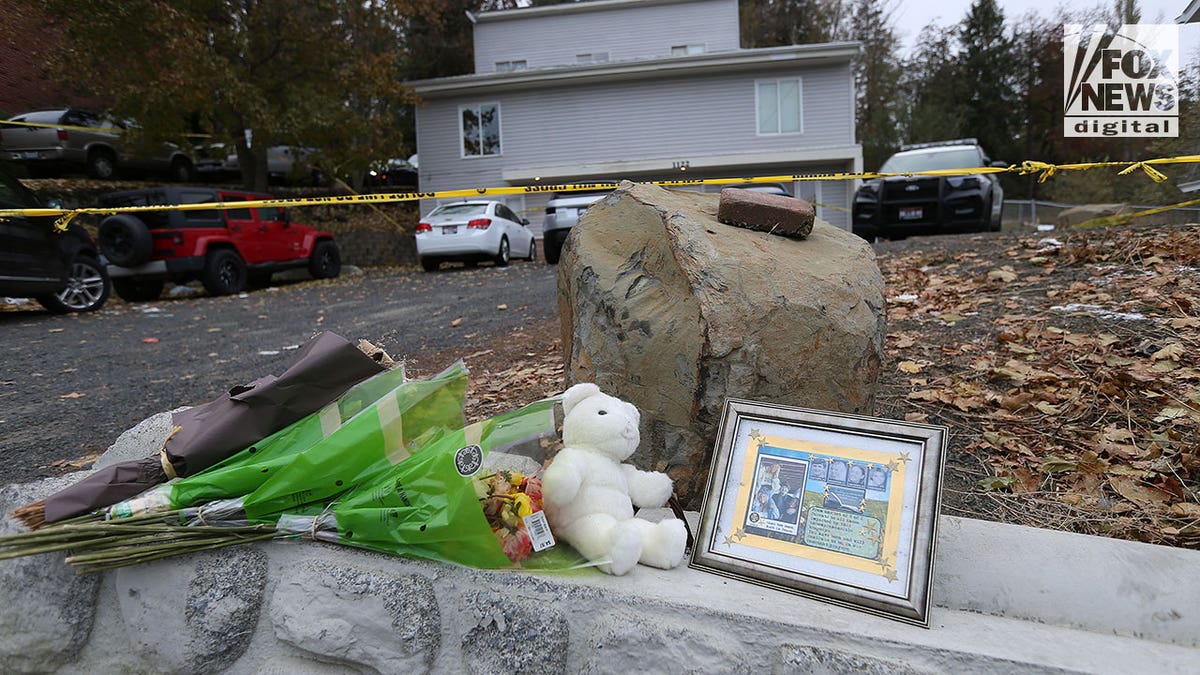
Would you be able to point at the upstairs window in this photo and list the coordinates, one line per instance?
(480, 127)
(510, 66)
(597, 57)
(686, 50)
(779, 105)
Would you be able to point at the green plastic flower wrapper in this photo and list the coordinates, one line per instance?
(428, 506)
(391, 414)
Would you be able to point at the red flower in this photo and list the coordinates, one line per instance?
(516, 543)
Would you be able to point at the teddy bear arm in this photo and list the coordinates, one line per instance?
(560, 483)
(647, 489)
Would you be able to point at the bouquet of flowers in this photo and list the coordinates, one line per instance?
(509, 499)
(469, 495)
(457, 500)
(371, 425)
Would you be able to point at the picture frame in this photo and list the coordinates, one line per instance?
(836, 507)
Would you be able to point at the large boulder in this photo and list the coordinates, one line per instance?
(666, 307)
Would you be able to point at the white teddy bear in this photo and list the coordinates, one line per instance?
(589, 494)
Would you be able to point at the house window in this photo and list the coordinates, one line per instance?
(480, 126)
(686, 50)
(779, 106)
(509, 66)
(598, 57)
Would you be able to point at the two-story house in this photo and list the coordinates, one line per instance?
(637, 90)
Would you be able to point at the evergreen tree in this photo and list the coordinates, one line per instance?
(1124, 12)
(986, 78)
(929, 85)
(876, 72)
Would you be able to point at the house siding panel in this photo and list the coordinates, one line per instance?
(624, 32)
(645, 119)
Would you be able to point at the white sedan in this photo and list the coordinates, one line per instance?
(471, 232)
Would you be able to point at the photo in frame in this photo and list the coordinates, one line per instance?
(836, 507)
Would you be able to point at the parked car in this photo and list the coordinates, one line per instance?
(285, 164)
(61, 270)
(392, 173)
(901, 206)
(472, 232)
(85, 143)
(562, 212)
(226, 249)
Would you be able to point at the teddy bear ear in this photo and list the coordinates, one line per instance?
(577, 393)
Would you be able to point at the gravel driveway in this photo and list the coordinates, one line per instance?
(69, 385)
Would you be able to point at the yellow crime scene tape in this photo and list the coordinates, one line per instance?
(1043, 169)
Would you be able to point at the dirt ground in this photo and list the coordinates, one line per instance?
(1064, 365)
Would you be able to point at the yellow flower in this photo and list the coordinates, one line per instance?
(524, 507)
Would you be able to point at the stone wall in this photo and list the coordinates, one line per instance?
(1007, 599)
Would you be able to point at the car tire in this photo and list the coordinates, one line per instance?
(224, 272)
(325, 262)
(182, 170)
(138, 290)
(101, 163)
(532, 250)
(88, 287)
(430, 264)
(502, 255)
(552, 244)
(125, 240)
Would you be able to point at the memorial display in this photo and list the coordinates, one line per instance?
(837, 507)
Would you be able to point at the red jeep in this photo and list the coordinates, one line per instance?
(226, 249)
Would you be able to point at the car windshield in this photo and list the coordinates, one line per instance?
(460, 210)
(932, 161)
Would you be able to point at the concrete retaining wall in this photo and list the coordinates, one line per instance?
(1008, 599)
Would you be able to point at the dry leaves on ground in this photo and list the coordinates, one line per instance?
(1067, 369)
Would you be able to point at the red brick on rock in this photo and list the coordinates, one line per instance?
(777, 214)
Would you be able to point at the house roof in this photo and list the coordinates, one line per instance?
(1190, 14)
(567, 8)
(712, 62)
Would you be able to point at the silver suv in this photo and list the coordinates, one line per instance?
(83, 142)
(562, 212)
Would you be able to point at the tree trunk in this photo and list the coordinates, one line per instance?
(253, 164)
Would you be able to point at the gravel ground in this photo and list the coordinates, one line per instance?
(69, 385)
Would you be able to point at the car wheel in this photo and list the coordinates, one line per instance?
(125, 240)
(552, 245)
(224, 272)
(502, 254)
(430, 264)
(532, 250)
(138, 290)
(182, 170)
(325, 262)
(101, 164)
(87, 288)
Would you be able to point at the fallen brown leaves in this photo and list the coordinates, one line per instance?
(516, 369)
(1068, 372)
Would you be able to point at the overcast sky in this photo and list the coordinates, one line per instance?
(912, 15)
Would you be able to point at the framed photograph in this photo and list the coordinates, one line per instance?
(840, 508)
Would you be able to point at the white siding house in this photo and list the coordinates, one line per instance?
(672, 97)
